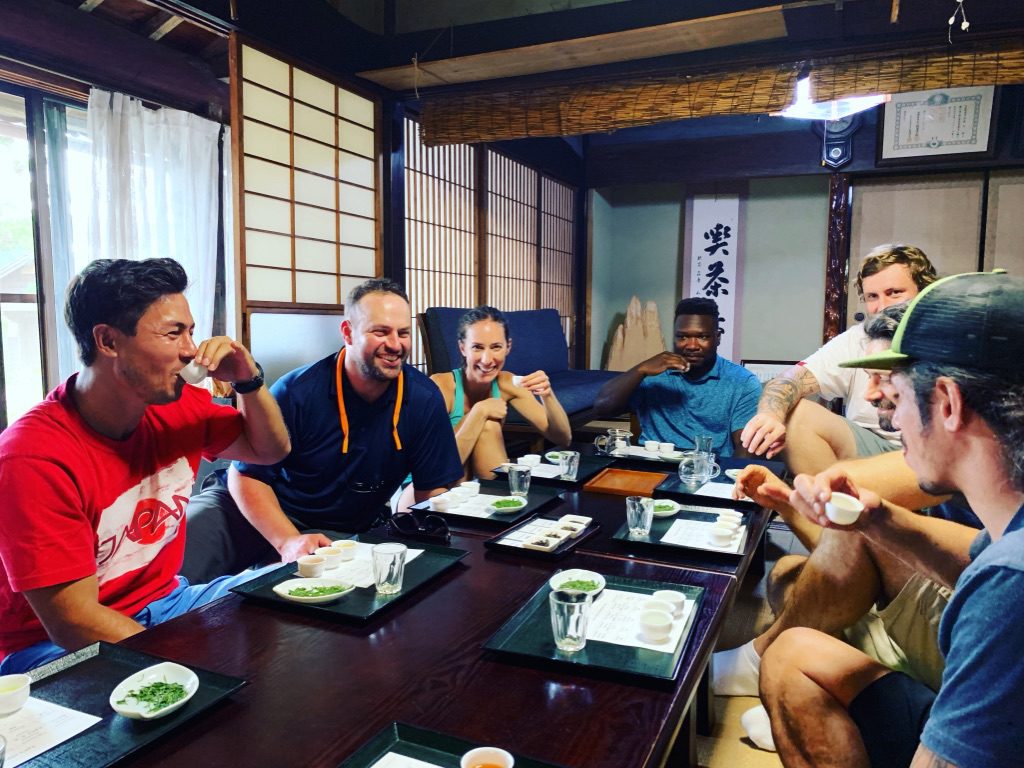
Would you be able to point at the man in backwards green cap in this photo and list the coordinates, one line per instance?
(957, 379)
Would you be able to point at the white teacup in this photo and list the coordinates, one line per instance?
(331, 556)
(656, 625)
(311, 566)
(471, 486)
(530, 459)
(722, 534)
(843, 509)
(675, 599)
(487, 756)
(658, 605)
(666, 448)
(651, 446)
(346, 547)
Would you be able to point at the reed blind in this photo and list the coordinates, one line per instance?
(440, 228)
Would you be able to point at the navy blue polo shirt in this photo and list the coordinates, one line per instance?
(321, 487)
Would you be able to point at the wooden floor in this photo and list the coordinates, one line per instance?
(728, 746)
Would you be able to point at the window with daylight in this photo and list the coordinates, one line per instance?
(511, 247)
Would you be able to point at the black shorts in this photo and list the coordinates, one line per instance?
(890, 714)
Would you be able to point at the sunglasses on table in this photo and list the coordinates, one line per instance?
(429, 528)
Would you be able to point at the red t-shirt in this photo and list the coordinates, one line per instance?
(74, 503)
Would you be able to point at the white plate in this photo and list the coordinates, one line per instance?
(165, 672)
(507, 510)
(732, 474)
(282, 589)
(666, 513)
(553, 456)
(674, 456)
(556, 581)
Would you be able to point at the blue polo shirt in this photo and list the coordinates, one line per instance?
(672, 408)
(322, 487)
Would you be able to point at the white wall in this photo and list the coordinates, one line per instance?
(637, 248)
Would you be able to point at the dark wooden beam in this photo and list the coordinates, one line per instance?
(62, 39)
(837, 255)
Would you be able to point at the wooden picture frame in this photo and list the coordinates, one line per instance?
(937, 125)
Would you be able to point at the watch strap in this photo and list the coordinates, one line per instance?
(245, 387)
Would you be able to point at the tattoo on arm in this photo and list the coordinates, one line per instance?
(782, 393)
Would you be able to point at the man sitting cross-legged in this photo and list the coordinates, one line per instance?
(847, 584)
(958, 384)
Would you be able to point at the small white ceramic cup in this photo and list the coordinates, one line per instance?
(729, 516)
(311, 566)
(331, 556)
(517, 381)
(843, 509)
(472, 486)
(440, 503)
(651, 446)
(530, 459)
(194, 373)
(656, 625)
(657, 605)
(346, 547)
(665, 448)
(486, 757)
(722, 533)
(675, 599)
(14, 691)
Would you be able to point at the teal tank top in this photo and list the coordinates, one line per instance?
(459, 399)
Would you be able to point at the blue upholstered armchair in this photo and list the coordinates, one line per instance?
(538, 343)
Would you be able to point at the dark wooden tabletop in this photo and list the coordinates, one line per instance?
(318, 690)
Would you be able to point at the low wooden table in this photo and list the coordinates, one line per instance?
(318, 690)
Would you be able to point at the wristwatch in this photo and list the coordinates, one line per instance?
(245, 387)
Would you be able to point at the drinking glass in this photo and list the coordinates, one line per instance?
(639, 514)
(389, 567)
(518, 479)
(706, 445)
(3, 750)
(695, 469)
(569, 612)
(569, 464)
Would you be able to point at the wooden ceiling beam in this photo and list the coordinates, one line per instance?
(88, 5)
(755, 25)
(161, 24)
(59, 38)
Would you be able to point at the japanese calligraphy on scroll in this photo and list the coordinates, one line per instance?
(714, 259)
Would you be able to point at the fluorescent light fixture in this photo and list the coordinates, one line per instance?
(806, 109)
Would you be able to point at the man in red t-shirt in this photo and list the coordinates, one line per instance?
(95, 479)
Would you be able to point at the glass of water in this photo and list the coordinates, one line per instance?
(639, 515)
(569, 464)
(569, 613)
(389, 567)
(518, 479)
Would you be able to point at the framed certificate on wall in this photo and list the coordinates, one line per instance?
(938, 123)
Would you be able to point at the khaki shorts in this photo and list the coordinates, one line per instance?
(869, 443)
(905, 634)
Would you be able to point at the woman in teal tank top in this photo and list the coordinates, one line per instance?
(478, 394)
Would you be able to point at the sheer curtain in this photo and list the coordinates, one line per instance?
(154, 192)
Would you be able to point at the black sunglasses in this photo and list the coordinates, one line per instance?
(426, 528)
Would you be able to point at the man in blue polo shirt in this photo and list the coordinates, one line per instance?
(691, 391)
(360, 421)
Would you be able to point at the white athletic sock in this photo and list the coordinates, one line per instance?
(758, 727)
(735, 672)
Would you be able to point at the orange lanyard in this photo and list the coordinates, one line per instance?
(343, 417)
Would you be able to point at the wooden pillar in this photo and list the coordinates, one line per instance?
(837, 255)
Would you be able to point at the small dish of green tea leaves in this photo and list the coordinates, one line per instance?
(155, 691)
(508, 504)
(578, 580)
(312, 591)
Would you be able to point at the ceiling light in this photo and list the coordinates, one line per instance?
(806, 109)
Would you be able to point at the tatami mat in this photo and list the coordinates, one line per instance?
(727, 746)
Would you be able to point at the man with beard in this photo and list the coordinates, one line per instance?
(361, 421)
(95, 479)
(691, 391)
(849, 586)
(957, 380)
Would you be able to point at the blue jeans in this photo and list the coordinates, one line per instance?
(182, 600)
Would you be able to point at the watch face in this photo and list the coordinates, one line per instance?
(841, 125)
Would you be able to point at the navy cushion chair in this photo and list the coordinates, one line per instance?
(538, 344)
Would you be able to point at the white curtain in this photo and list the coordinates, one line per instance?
(153, 193)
